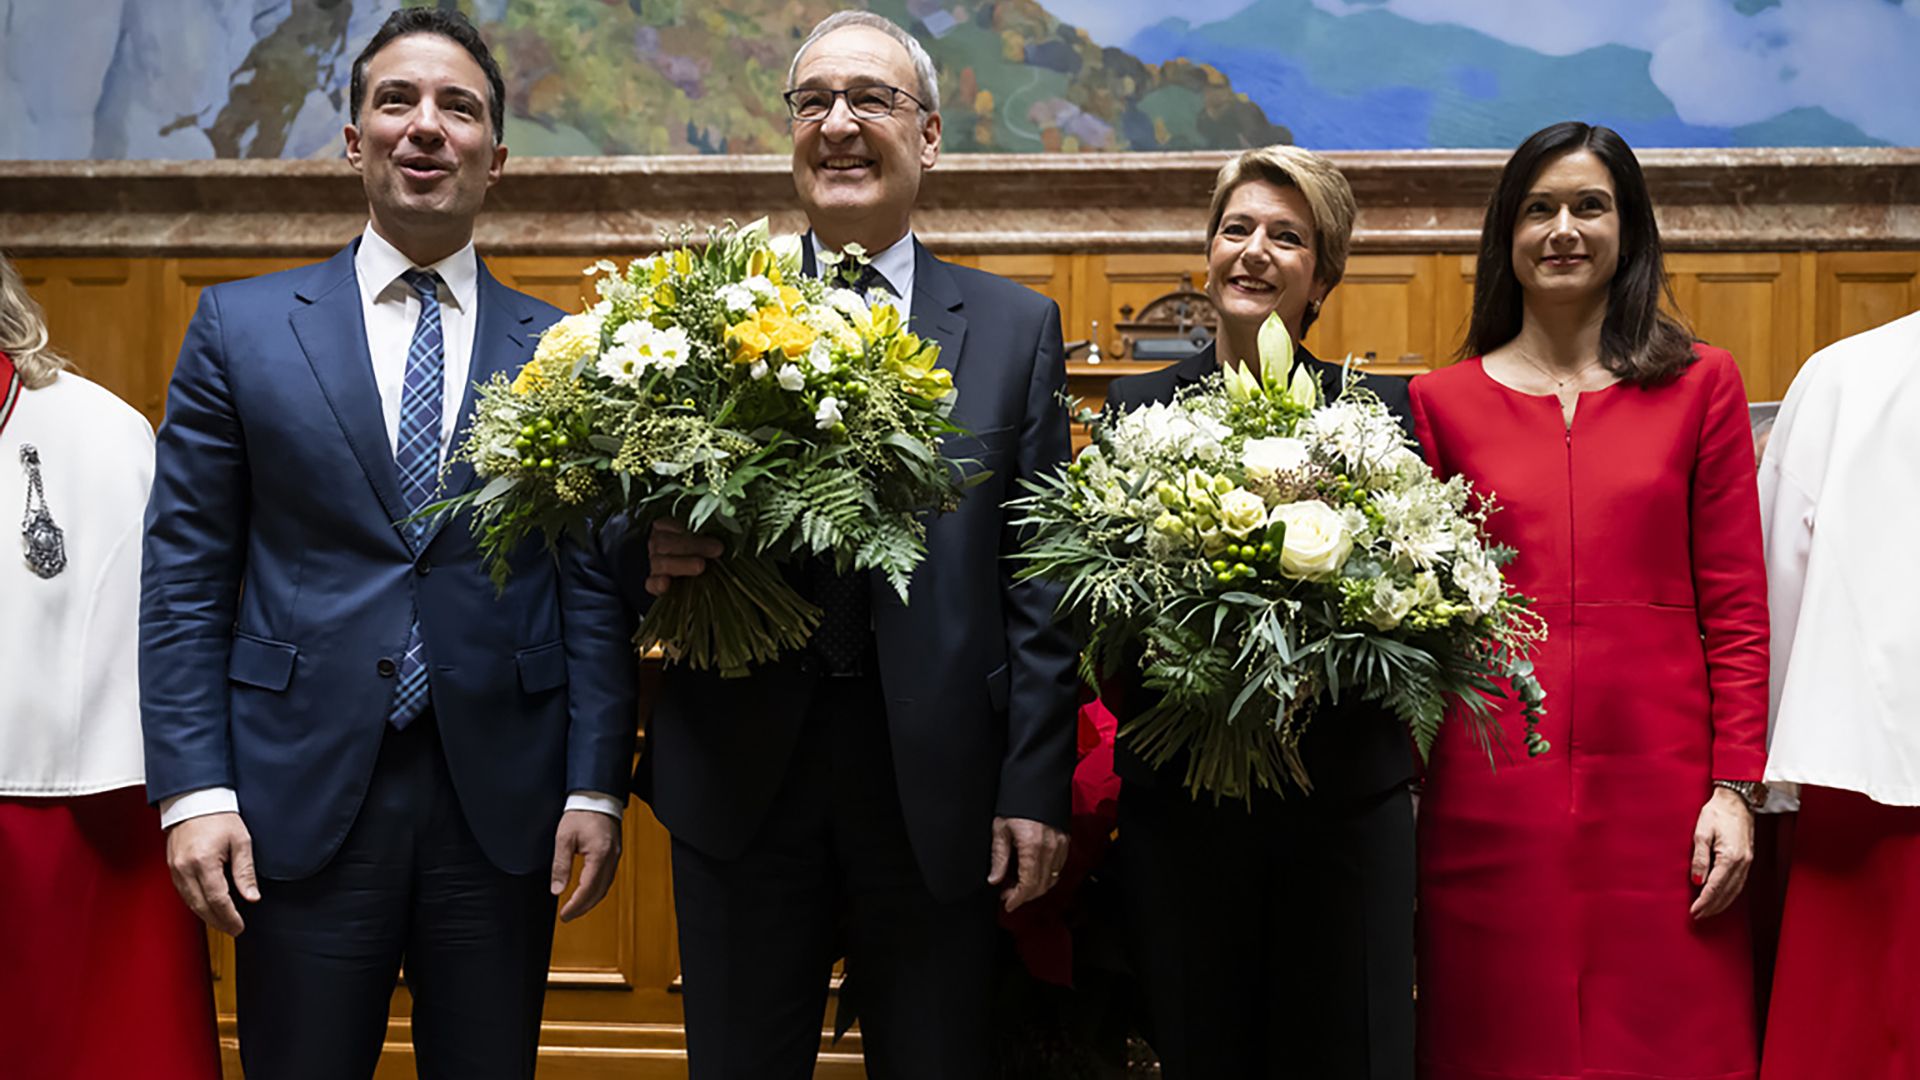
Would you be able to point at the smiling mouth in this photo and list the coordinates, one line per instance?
(1564, 260)
(846, 163)
(1250, 284)
(424, 170)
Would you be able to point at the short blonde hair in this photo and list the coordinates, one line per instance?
(1328, 196)
(23, 331)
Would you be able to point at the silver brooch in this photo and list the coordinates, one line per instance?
(46, 544)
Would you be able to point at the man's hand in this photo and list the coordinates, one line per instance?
(673, 552)
(1035, 852)
(200, 851)
(595, 837)
(1722, 852)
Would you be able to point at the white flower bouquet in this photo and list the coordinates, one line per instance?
(722, 389)
(1256, 552)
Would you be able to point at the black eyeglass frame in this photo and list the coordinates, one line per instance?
(793, 109)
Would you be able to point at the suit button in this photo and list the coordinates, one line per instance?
(423, 569)
(386, 667)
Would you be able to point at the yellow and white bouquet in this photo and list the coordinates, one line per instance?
(718, 387)
(1255, 551)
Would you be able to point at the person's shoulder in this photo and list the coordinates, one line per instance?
(1444, 379)
(280, 285)
(85, 402)
(1867, 355)
(1132, 391)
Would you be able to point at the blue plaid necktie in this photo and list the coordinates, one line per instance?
(418, 458)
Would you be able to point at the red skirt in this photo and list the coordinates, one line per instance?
(103, 970)
(1846, 991)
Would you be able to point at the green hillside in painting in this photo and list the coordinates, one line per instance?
(681, 76)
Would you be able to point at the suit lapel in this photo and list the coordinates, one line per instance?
(331, 329)
(1195, 367)
(937, 304)
(501, 343)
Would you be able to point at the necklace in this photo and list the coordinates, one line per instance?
(1559, 383)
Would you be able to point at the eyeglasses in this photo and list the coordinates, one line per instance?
(872, 102)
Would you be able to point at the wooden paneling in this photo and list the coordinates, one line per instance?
(1383, 311)
(1859, 290)
(1746, 303)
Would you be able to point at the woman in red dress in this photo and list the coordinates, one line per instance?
(1579, 911)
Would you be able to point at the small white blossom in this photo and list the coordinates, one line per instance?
(791, 378)
(621, 363)
(737, 297)
(759, 369)
(828, 414)
(820, 356)
(669, 348)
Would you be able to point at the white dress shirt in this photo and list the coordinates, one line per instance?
(895, 264)
(391, 310)
(1840, 511)
(69, 644)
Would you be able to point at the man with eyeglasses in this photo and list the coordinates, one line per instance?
(877, 795)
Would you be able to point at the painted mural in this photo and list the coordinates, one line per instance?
(268, 78)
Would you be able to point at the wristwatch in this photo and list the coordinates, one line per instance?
(1753, 792)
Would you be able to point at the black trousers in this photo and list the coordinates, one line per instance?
(831, 873)
(1276, 942)
(319, 957)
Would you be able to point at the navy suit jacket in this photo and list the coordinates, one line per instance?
(980, 682)
(1353, 750)
(277, 590)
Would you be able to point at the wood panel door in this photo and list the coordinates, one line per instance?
(1745, 303)
(1859, 290)
(1382, 312)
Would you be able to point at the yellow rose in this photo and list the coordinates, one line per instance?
(747, 341)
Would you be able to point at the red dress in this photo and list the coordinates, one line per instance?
(1554, 935)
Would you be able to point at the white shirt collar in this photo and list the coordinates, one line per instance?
(895, 264)
(379, 265)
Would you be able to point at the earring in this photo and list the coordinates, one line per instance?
(1313, 308)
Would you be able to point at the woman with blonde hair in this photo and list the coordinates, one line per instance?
(1273, 939)
(105, 973)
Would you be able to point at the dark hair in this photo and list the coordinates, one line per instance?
(1639, 342)
(448, 24)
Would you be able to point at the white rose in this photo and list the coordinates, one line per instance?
(791, 378)
(828, 414)
(1273, 455)
(1241, 512)
(1317, 540)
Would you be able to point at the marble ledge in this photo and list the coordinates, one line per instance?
(1411, 201)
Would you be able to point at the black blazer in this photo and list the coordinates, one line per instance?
(980, 682)
(1352, 750)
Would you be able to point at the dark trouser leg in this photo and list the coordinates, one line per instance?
(317, 962)
(478, 951)
(757, 939)
(1191, 880)
(922, 967)
(1340, 950)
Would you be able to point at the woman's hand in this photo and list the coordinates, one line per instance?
(1722, 851)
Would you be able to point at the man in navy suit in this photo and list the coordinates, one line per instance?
(363, 756)
(883, 792)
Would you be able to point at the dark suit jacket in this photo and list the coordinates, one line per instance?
(979, 681)
(1351, 750)
(277, 591)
